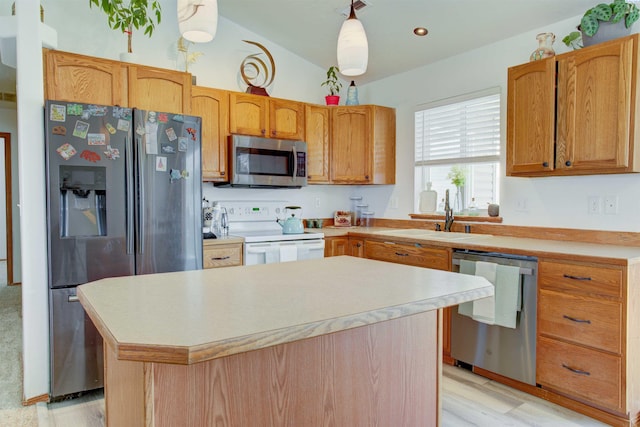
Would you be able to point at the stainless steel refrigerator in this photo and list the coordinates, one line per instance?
(124, 198)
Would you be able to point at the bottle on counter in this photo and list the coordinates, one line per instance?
(428, 200)
(215, 223)
(355, 201)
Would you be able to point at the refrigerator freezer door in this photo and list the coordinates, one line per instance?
(169, 185)
(87, 205)
(76, 346)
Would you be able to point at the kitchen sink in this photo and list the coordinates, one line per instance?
(429, 234)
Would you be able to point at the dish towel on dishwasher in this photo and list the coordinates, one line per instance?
(501, 309)
(288, 253)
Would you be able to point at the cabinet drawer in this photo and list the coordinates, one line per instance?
(583, 278)
(221, 256)
(581, 373)
(595, 323)
(410, 254)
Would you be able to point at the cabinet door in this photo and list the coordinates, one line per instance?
(286, 119)
(317, 121)
(351, 145)
(160, 90)
(78, 78)
(334, 246)
(531, 117)
(594, 107)
(248, 114)
(213, 106)
(356, 247)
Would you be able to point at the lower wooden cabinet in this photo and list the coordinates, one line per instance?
(409, 253)
(585, 343)
(335, 246)
(221, 255)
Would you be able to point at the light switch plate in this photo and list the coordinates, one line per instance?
(595, 205)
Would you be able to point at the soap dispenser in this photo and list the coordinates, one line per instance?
(428, 200)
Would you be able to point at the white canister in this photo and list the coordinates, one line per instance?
(428, 200)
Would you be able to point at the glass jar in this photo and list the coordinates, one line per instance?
(359, 210)
(355, 201)
(367, 219)
(545, 47)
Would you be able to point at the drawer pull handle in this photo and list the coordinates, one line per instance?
(573, 319)
(399, 254)
(568, 276)
(576, 371)
(220, 258)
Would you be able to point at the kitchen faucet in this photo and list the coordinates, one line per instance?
(448, 213)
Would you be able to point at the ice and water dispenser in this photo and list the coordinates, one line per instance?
(83, 201)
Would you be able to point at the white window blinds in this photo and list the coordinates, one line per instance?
(460, 132)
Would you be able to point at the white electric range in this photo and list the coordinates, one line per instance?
(264, 241)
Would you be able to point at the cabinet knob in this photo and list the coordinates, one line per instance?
(545, 164)
(568, 163)
(222, 173)
(366, 177)
(264, 132)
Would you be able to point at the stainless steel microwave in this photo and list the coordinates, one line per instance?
(264, 162)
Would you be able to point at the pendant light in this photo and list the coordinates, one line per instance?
(198, 20)
(353, 48)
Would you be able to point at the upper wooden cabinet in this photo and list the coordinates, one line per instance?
(213, 106)
(575, 113)
(159, 89)
(363, 145)
(85, 79)
(268, 117)
(317, 137)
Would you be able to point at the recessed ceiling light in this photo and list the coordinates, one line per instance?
(420, 31)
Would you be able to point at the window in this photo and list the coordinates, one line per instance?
(461, 134)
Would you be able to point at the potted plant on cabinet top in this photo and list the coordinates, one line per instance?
(608, 21)
(127, 15)
(334, 85)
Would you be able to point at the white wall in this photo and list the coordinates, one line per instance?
(552, 202)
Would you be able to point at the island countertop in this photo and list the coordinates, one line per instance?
(194, 316)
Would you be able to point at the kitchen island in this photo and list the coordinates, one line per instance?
(335, 341)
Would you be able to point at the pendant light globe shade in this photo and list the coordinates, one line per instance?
(198, 20)
(353, 48)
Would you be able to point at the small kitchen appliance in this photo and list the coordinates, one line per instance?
(264, 162)
(292, 223)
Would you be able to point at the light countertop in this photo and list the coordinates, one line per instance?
(189, 317)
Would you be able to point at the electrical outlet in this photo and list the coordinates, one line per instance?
(595, 205)
(611, 205)
(521, 205)
(394, 203)
(317, 202)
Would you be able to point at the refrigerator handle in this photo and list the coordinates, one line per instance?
(141, 196)
(129, 198)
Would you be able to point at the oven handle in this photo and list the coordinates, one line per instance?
(524, 271)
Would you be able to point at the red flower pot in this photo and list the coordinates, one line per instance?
(332, 99)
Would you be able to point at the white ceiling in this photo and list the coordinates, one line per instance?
(309, 28)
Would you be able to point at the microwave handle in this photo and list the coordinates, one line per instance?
(295, 162)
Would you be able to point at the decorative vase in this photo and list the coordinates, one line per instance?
(428, 200)
(352, 94)
(545, 49)
(332, 99)
(457, 203)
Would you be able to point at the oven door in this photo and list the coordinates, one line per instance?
(263, 162)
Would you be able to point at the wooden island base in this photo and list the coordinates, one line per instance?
(385, 374)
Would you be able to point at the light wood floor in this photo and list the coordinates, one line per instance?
(468, 400)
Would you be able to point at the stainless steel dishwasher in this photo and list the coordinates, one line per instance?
(504, 351)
